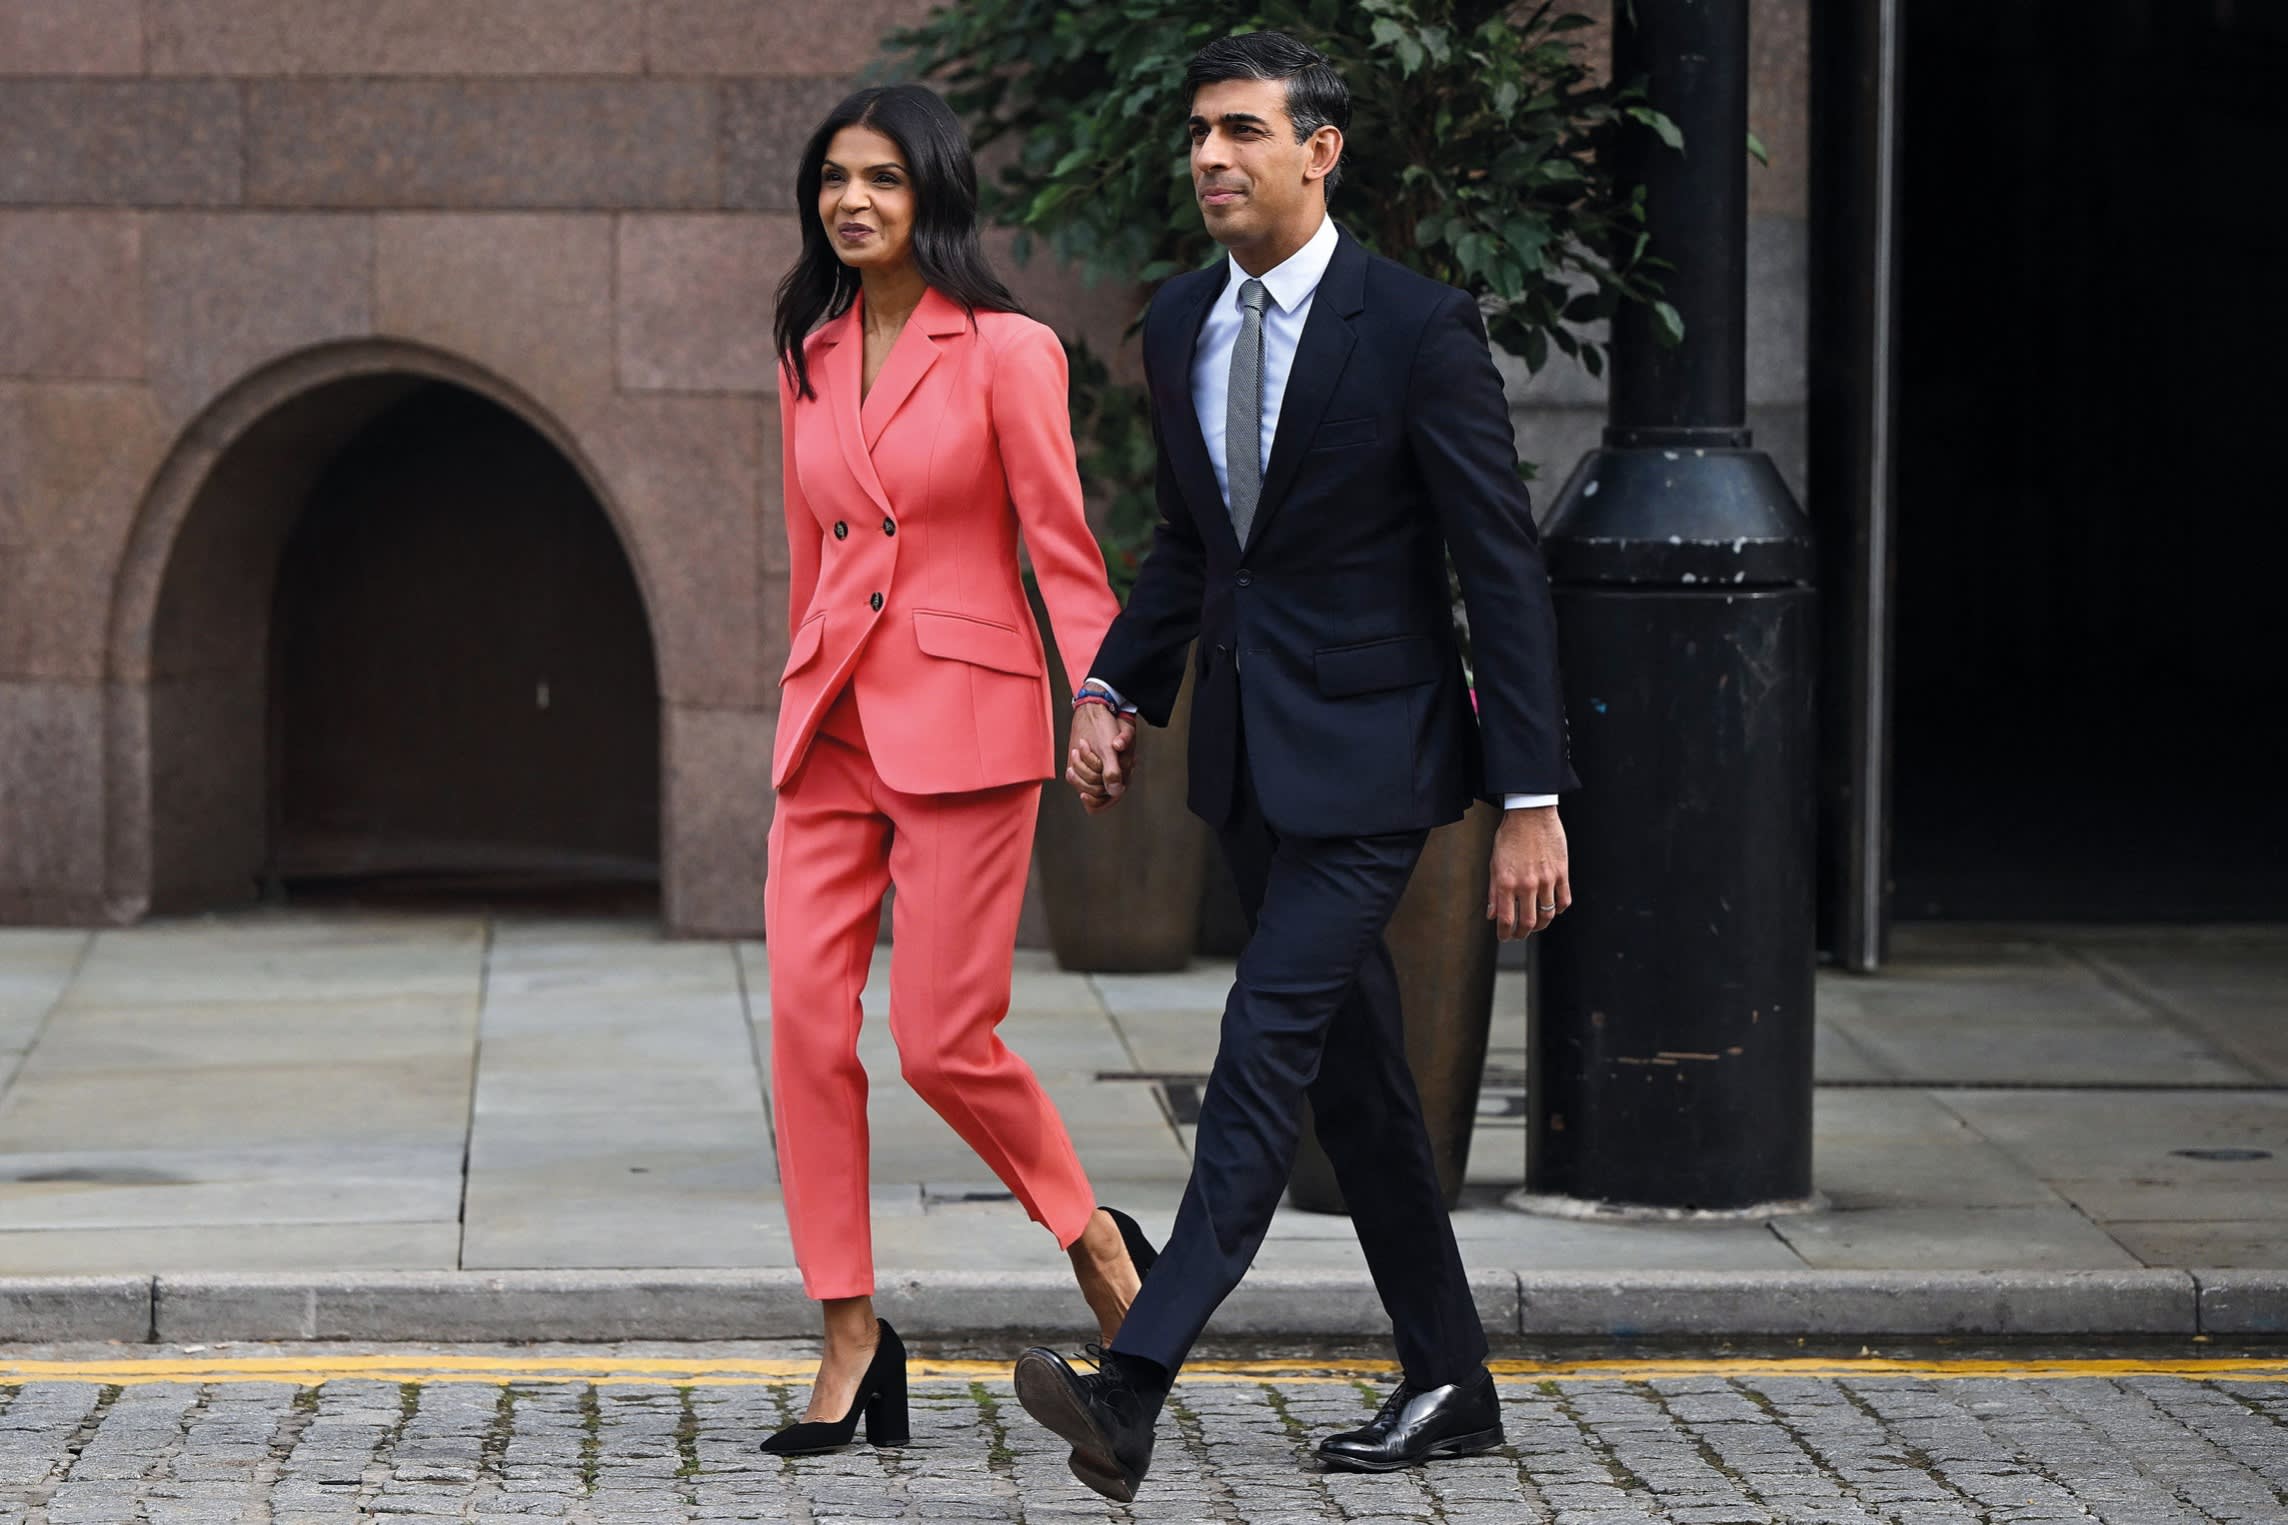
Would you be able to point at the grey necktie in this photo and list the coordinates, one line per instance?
(1243, 413)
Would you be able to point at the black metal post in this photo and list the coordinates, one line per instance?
(1670, 1057)
(1855, 83)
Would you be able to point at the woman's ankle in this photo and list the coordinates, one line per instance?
(850, 1324)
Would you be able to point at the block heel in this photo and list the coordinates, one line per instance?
(887, 1420)
(881, 1401)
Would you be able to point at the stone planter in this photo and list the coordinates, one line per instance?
(1444, 949)
(1122, 889)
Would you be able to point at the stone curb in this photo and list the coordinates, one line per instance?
(1852, 1303)
(605, 1306)
(2243, 1302)
(58, 1309)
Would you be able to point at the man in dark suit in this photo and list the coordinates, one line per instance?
(1330, 424)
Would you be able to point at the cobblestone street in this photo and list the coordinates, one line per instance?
(201, 1439)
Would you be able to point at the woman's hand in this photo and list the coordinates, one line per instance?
(1103, 748)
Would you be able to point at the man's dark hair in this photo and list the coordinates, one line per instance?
(1316, 94)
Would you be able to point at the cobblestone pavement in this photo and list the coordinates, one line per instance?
(181, 1439)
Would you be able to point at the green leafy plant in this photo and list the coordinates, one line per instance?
(1472, 157)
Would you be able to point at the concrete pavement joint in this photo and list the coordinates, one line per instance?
(2131, 988)
(485, 948)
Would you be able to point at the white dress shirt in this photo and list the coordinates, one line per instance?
(1289, 286)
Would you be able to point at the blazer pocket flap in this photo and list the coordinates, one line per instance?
(1338, 432)
(983, 643)
(805, 644)
(1399, 662)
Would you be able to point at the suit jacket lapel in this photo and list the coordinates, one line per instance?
(844, 370)
(1319, 359)
(910, 358)
(1180, 432)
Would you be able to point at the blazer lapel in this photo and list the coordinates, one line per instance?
(845, 368)
(935, 317)
(1319, 359)
(1180, 434)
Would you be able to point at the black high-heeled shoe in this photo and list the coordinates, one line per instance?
(1140, 1251)
(881, 1398)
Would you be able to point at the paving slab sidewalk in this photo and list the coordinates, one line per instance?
(490, 1126)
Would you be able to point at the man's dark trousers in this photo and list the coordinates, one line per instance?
(1314, 1011)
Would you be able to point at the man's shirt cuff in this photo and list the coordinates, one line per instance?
(1527, 801)
(1109, 692)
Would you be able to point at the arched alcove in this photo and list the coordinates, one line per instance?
(378, 629)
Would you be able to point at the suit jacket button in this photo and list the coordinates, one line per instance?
(1245, 578)
(876, 601)
(841, 530)
(889, 526)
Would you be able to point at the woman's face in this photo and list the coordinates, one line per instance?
(866, 200)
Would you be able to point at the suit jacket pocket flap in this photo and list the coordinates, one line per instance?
(1004, 648)
(805, 645)
(1400, 662)
(1339, 432)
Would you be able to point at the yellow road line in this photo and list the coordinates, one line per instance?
(609, 1371)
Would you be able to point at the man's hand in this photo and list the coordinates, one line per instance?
(1532, 883)
(1103, 750)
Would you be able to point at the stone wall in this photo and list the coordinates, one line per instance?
(233, 229)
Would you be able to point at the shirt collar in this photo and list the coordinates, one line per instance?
(1291, 282)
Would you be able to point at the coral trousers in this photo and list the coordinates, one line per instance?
(839, 839)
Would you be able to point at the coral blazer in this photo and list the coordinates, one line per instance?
(902, 516)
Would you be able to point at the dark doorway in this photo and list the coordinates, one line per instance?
(464, 695)
(2090, 526)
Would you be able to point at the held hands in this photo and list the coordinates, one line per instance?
(1531, 882)
(1103, 750)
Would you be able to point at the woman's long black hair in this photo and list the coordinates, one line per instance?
(946, 245)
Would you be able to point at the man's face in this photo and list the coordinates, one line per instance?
(1254, 182)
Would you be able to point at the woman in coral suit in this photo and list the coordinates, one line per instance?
(922, 425)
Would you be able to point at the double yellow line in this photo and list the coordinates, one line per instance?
(604, 1370)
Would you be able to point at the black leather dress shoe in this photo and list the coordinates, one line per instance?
(1106, 1415)
(1421, 1424)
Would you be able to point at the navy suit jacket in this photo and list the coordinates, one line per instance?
(1328, 639)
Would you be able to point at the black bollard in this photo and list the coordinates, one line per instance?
(1669, 1063)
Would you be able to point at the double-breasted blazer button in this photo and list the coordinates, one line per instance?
(876, 601)
(889, 526)
(841, 530)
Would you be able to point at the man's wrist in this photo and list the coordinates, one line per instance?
(1097, 691)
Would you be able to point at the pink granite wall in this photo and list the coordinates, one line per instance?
(226, 225)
